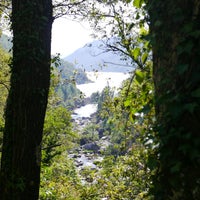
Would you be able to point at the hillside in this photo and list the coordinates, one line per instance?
(66, 88)
(92, 57)
(68, 75)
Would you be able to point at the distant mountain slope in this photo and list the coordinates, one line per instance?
(91, 57)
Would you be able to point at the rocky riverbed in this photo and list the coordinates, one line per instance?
(89, 153)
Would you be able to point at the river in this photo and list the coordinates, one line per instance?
(99, 81)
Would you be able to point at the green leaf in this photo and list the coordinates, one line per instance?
(143, 31)
(152, 163)
(138, 3)
(158, 23)
(135, 53)
(190, 107)
(176, 167)
(146, 109)
(144, 58)
(127, 103)
(139, 76)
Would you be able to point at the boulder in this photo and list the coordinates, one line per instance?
(91, 147)
(84, 141)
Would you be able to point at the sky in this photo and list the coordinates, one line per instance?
(68, 36)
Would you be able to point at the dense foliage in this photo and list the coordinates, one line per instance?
(124, 172)
(4, 87)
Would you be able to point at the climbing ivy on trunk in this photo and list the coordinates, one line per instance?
(175, 38)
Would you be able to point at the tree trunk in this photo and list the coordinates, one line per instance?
(27, 101)
(175, 37)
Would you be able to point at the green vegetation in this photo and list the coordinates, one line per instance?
(151, 125)
(125, 171)
(4, 87)
(57, 132)
(66, 88)
(60, 180)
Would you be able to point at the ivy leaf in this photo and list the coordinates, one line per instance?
(152, 163)
(146, 109)
(195, 34)
(196, 93)
(182, 68)
(176, 167)
(190, 107)
(158, 23)
(188, 47)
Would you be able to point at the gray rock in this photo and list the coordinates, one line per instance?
(84, 141)
(91, 147)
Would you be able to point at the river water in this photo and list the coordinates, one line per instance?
(84, 111)
(99, 81)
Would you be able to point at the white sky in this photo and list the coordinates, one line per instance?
(67, 36)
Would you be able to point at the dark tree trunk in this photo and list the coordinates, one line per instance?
(175, 36)
(27, 101)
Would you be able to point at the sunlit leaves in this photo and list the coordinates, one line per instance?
(139, 76)
(57, 132)
(4, 86)
(144, 58)
(124, 177)
(135, 53)
(138, 3)
(60, 180)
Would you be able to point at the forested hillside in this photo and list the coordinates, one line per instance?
(66, 89)
(68, 76)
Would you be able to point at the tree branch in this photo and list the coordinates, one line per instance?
(2, 83)
(66, 4)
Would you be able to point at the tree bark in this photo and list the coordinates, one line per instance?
(175, 37)
(27, 100)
